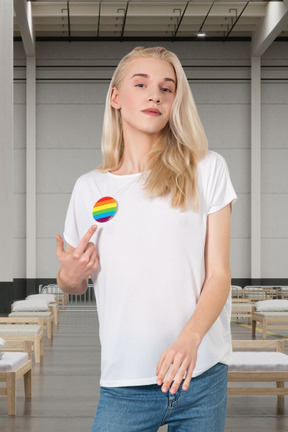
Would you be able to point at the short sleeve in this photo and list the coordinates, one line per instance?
(220, 188)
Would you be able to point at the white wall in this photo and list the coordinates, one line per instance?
(274, 161)
(72, 80)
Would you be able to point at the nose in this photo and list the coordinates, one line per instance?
(155, 99)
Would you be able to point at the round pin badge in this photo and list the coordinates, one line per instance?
(104, 209)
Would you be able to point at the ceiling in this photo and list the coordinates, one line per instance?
(162, 20)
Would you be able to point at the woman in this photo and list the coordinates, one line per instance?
(160, 263)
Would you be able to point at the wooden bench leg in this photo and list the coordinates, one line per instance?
(11, 393)
(57, 316)
(37, 349)
(28, 384)
(52, 327)
(264, 329)
(253, 329)
(49, 329)
(280, 398)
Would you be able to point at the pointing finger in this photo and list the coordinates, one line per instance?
(85, 239)
(60, 245)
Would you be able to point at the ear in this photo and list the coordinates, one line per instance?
(114, 99)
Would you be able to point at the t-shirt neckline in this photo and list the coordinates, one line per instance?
(126, 175)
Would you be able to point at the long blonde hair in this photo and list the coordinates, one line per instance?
(173, 160)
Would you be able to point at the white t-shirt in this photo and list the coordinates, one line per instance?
(151, 270)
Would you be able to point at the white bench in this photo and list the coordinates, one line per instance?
(61, 297)
(274, 319)
(52, 304)
(241, 308)
(45, 319)
(54, 308)
(40, 306)
(259, 364)
(14, 365)
(11, 331)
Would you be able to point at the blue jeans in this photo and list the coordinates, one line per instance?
(201, 408)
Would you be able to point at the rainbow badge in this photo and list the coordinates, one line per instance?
(104, 209)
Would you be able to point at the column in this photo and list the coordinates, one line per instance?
(255, 167)
(30, 174)
(6, 152)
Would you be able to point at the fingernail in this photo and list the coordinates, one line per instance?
(159, 382)
(164, 389)
(173, 390)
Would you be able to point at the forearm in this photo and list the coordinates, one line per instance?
(77, 264)
(215, 292)
(69, 288)
(178, 361)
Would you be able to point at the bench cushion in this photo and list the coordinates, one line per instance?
(12, 361)
(271, 305)
(30, 314)
(30, 305)
(50, 298)
(271, 314)
(9, 329)
(259, 361)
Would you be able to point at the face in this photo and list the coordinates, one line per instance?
(145, 96)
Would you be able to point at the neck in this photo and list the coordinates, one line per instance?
(135, 151)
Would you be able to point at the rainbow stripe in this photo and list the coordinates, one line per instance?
(104, 209)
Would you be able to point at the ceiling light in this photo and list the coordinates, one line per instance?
(201, 34)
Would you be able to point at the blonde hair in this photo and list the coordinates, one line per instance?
(173, 160)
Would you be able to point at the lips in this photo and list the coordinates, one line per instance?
(152, 111)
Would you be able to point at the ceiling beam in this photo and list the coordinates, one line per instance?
(275, 20)
(23, 11)
(237, 19)
(181, 19)
(124, 19)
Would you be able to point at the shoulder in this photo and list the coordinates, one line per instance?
(211, 164)
(211, 159)
(214, 182)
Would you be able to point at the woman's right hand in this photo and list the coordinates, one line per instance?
(77, 264)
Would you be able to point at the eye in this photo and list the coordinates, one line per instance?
(140, 85)
(166, 90)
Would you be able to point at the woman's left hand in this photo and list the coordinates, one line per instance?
(178, 360)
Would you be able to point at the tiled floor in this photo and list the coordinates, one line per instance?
(66, 386)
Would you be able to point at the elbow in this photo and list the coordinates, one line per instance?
(220, 278)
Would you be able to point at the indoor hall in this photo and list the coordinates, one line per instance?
(57, 59)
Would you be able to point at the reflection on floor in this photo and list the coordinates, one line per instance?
(66, 385)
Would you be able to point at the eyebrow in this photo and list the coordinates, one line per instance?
(143, 75)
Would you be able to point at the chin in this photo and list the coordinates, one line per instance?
(154, 130)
